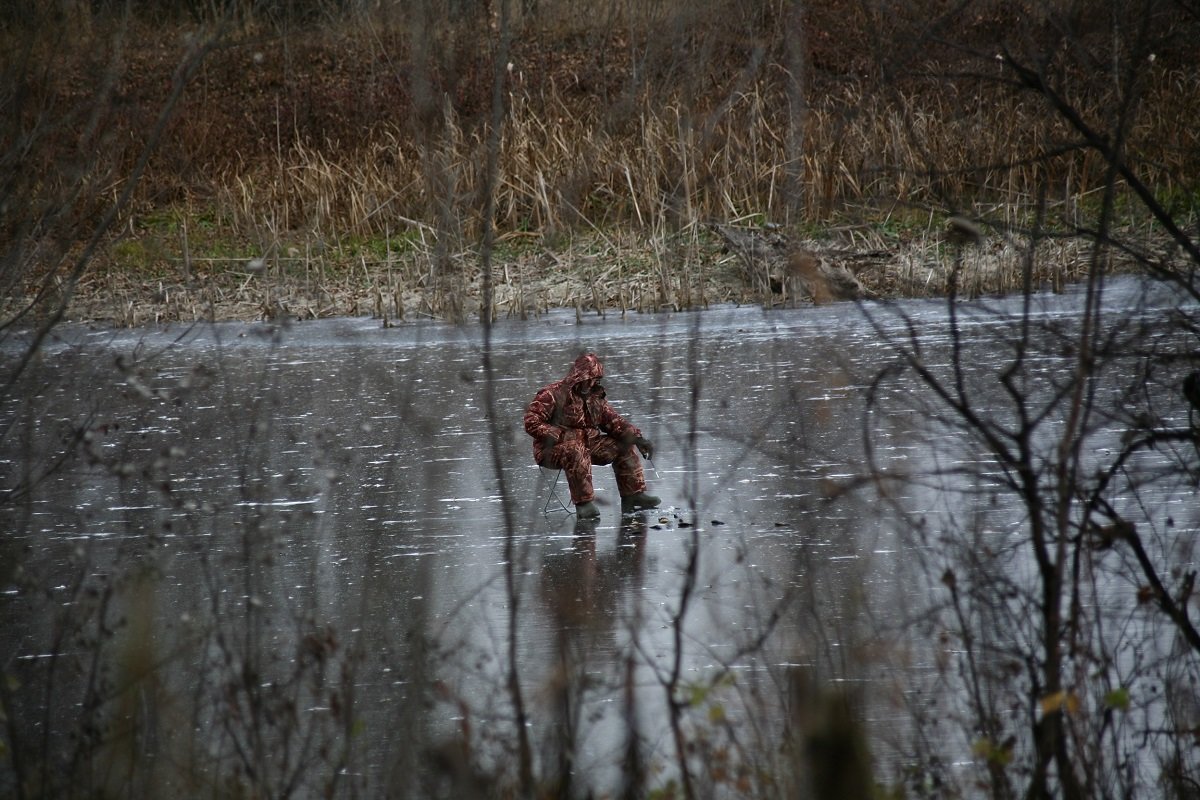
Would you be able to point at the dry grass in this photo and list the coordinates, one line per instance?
(560, 172)
(613, 219)
(866, 154)
(593, 274)
(603, 196)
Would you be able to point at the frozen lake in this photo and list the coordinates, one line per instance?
(331, 542)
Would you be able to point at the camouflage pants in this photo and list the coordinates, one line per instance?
(576, 455)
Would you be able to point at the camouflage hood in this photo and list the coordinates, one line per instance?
(586, 368)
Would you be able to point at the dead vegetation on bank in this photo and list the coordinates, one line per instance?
(337, 167)
(732, 265)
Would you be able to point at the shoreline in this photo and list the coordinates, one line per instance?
(590, 276)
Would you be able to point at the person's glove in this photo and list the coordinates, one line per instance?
(645, 447)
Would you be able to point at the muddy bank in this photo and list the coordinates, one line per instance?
(599, 275)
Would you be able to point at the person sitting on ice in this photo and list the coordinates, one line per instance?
(574, 427)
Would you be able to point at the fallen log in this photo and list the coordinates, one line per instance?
(777, 267)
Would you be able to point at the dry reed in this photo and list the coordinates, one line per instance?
(562, 171)
(634, 178)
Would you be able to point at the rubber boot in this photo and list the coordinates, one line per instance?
(633, 502)
(587, 510)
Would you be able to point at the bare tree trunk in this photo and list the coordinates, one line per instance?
(511, 555)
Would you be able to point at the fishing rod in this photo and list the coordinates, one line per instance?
(657, 477)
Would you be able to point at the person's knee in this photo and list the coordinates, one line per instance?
(627, 458)
(572, 454)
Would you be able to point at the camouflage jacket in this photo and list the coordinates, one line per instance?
(559, 412)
